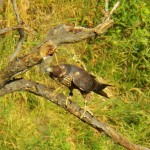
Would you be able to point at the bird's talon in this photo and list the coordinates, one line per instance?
(86, 110)
(90, 113)
(67, 99)
(83, 115)
(66, 102)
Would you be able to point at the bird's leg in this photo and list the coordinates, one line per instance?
(87, 96)
(70, 96)
(86, 109)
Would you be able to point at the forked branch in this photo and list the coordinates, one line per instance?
(61, 34)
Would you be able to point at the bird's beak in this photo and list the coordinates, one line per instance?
(49, 69)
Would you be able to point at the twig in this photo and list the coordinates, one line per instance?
(8, 29)
(115, 7)
(106, 5)
(108, 14)
(20, 30)
(72, 107)
(5, 30)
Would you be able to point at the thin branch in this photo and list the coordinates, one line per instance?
(106, 12)
(72, 107)
(16, 11)
(115, 7)
(5, 30)
(8, 29)
(106, 5)
(20, 30)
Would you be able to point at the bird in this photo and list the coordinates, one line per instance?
(75, 77)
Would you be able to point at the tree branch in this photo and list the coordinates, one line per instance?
(61, 34)
(106, 5)
(5, 30)
(72, 107)
(8, 29)
(20, 30)
(115, 7)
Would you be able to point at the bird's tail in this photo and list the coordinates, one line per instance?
(99, 89)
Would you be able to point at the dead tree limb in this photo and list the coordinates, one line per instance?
(61, 34)
(20, 30)
(72, 107)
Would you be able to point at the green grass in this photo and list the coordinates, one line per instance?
(121, 57)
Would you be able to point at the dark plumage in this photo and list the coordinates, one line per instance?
(77, 78)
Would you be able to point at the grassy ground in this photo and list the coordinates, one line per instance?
(121, 57)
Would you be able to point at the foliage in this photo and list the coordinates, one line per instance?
(121, 57)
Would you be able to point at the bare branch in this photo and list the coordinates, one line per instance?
(5, 30)
(72, 107)
(106, 5)
(61, 34)
(8, 29)
(115, 7)
(106, 12)
(20, 30)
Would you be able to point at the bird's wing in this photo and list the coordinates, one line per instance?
(84, 81)
(67, 81)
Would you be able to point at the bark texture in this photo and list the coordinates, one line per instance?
(72, 107)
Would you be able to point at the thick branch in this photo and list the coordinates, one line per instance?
(61, 34)
(72, 107)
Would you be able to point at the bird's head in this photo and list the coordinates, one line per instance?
(56, 71)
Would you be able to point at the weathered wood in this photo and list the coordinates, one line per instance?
(61, 34)
(72, 107)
